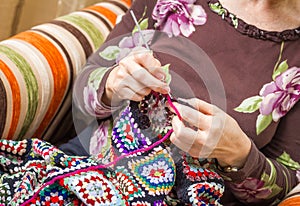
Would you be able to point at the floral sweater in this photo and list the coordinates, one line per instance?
(252, 74)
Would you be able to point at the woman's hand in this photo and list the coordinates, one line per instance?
(214, 135)
(134, 78)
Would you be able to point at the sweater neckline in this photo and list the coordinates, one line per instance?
(251, 30)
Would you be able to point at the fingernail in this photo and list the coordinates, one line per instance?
(160, 76)
(166, 89)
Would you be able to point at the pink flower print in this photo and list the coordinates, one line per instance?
(134, 43)
(99, 138)
(90, 97)
(178, 16)
(282, 94)
(251, 190)
(298, 175)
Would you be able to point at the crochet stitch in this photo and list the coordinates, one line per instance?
(142, 170)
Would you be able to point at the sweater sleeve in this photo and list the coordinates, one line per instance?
(270, 172)
(87, 98)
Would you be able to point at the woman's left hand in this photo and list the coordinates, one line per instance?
(208, 132)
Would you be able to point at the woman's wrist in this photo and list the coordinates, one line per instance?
(108, 96)
(108, 100)
(237, 159)
(227, 168)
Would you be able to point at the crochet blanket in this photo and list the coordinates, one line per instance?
(134, 168)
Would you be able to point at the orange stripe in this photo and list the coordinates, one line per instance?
(128, 2)
(292, 201)
(16, 98)
(59, 72)
(112, 17)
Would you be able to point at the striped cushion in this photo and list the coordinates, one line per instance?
(291, 201)
(38, 68)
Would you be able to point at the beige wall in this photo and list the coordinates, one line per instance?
(20, 15)
(7, 13)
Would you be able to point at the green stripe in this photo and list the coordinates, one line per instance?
(31, 86)
(87, 26)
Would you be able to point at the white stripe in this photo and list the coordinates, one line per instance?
(70, 42)
(43, 75)
(23, 95)
(117, 10)
(9, 103)
(91, 43)
(101, 27)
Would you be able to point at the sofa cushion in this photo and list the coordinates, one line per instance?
(38, 68)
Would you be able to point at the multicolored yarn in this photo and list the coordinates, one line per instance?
(35, 172)
(127, 136)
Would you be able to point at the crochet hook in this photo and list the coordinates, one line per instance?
(139, 29)
(142, 36)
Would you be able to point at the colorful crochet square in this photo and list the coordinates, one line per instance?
(132, 170)
(93, 188)
(127, 136)
(155, 172)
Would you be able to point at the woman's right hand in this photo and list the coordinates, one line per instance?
(134, 78)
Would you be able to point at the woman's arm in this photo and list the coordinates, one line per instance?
(272, 167)
(88, 100)
(262, 180)
(251, 176)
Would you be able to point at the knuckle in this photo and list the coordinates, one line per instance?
(215, 109)
(139, 75)
(154, 65)
(137, 98)
(180, 132)
(199, 122)
(121, 95)
(115, 84)
(123, 65)
(146, 91)
(198, 142)
(152, 69)
(217, 125)
(119, 73)
(138, 56)
(157, 63)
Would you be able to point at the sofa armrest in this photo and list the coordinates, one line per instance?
(38, 68)
(292, 198)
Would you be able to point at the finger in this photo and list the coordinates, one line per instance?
(151, 64)
(143, 76)
(128, 93)
(202, 149)
(186, 134)
(194, 117)
(190, 141)
(201, 105)
(195, 150)
(137, 87)
(177, 142)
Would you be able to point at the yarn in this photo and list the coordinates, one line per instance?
(138, 151)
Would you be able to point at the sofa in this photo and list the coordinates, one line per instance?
(39, 66)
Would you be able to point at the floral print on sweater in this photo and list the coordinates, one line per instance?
(273, 102)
